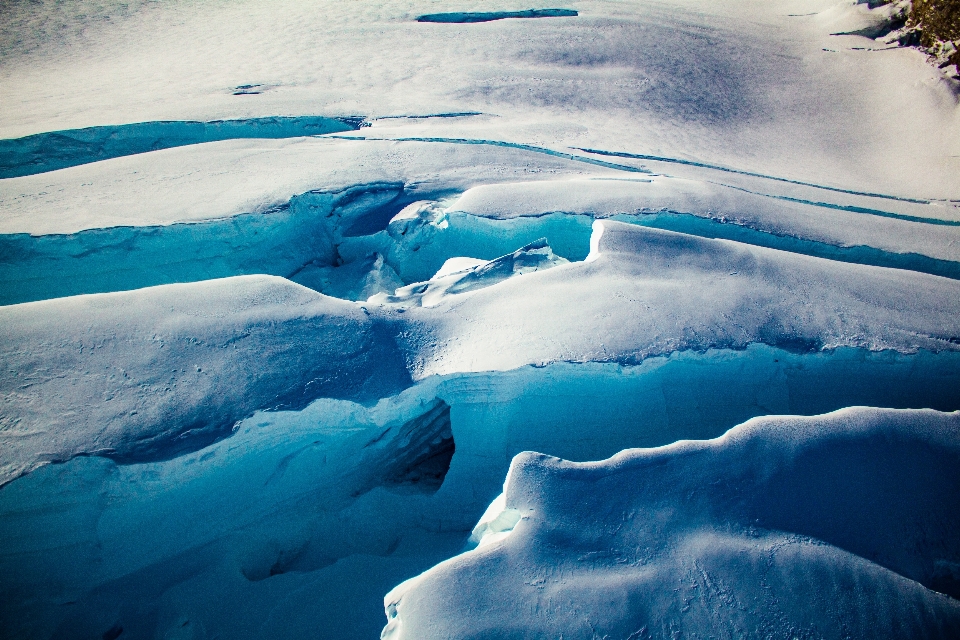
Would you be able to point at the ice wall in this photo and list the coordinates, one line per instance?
(262, 532)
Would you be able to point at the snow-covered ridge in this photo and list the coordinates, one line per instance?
(832, 525)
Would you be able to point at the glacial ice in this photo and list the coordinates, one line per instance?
(279, 515)
(42, 152)
(260, 367)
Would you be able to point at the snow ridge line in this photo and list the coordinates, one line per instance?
(851, 208)
(501, 143)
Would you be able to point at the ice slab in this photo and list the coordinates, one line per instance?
(895, 227)
(464, 275)
(150, 374)
(646, 292)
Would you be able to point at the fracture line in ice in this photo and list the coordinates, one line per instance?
(501, 143)
(704, 165)
(49, 151)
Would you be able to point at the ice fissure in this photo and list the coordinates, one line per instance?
(49, 151)
(340, 242)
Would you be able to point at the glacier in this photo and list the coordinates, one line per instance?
(608, 320)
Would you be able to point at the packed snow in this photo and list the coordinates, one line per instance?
(285, 288)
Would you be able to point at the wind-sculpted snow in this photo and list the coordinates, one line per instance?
(841, 525)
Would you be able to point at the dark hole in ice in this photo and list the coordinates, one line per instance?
(113, 632)
(417, 456)
(488, 16)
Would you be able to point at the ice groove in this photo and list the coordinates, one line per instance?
(460, 17)
(704, 165)
(728, 230)
(501, 143)
(855, 209)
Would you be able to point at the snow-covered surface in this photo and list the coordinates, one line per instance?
(252, 382)
(715, 81)
(174, 367)
(646, 292)
(842, 525)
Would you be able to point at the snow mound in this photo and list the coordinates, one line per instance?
(150, 374)
(836, 525)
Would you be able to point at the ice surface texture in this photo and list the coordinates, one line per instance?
(842, 525)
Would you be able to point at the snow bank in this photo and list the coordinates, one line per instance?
(842, 524)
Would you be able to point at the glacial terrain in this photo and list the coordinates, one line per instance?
(476, 320)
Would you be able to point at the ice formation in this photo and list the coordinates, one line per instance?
(285, 288)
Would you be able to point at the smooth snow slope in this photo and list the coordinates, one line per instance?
(728, 83)
(842, 525)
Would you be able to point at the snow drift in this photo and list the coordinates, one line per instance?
(840, 525)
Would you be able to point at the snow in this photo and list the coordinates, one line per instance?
(285, 288)
(173, 368)
(836, 524)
